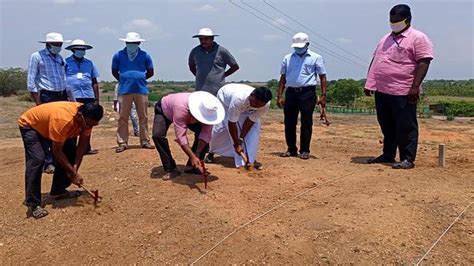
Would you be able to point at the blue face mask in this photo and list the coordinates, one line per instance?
(301, 51)
(54, 49)
(79, 53)
(132, 50)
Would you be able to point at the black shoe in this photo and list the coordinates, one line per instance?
(403, 165)
(209, 158)
(380, 159)
(304, 155)
(289, 154)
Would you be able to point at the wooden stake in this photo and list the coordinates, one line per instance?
(441, 155)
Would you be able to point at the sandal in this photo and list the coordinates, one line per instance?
(92, 152)
(171, 174)
(257, 166)
(67, 195)
(121, 148)
(147, 145)
(288, 154)
(37, 212)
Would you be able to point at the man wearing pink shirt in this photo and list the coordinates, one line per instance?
(400, 63)
(185, 110)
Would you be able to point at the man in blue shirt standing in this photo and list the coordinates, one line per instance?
(299, 72)
(46, 81)
(81, 77)
(132, 67)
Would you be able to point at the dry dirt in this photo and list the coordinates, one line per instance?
(355, 213)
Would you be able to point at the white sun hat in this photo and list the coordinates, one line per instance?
(78, 44)
(132, 37)
(300, 39)
(54, 37)
(206, 108)
(205, 32)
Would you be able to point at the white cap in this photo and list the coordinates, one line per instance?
(132, 37)
(79, 44)
(206, 108)
(300, 39)
(54, 37)
(205, 32)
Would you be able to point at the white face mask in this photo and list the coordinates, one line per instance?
(399, 26)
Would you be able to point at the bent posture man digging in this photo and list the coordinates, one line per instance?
(61, 123)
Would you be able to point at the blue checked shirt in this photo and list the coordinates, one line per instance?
(46, 72)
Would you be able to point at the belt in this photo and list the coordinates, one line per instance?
(53, 92)
(300, 89)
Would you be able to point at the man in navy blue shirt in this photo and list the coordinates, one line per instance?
(132, 67)
(81, 77)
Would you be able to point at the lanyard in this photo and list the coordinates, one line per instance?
(397, 42)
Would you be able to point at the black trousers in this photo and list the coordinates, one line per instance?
(47, 97)
(161, 125)
(397, 120)
(86, 100)
(299, 100)
(34, 160)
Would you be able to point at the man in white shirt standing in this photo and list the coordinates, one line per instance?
(239, 132)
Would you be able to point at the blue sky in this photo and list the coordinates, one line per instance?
(355, 26)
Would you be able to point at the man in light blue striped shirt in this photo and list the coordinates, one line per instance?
(46, 72)
(47, 82)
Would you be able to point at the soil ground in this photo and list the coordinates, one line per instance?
(355, 214)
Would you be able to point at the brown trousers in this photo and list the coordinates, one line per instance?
(141, 102)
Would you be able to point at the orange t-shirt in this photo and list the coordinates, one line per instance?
(54, 121)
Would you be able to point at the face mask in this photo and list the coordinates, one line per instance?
(399, 26)
(301, 51)
(132, 48)
(79, 53)
(54, 49)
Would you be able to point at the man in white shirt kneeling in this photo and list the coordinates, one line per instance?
(238, 134)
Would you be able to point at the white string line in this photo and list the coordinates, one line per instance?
(445, 231)
(270, 210)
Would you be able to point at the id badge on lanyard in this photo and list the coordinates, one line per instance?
(80, 75)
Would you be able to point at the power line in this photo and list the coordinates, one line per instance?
(314, 32)
(323, 48)
(290, 32)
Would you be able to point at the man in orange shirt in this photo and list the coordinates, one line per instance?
(61, 123)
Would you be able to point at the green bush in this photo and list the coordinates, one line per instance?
(459, 108)
(12, 81)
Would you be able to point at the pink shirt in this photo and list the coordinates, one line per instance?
(393, 67)
(175, 107)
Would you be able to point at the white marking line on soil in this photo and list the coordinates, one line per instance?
(272, 209)
(445, 231)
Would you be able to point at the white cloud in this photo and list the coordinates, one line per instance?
(64, 2)
(272, 37)
(207, 8)
(74, 20)
(280, 21)
(140, 25)
(108, 30)
(344, 40)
